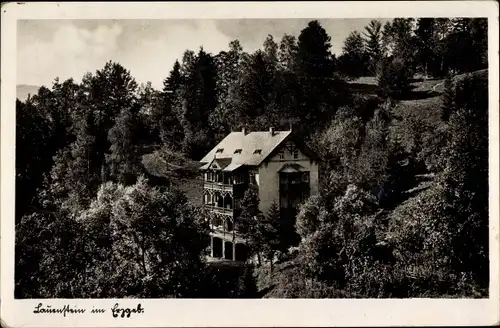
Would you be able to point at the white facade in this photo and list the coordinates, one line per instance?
(269, 174)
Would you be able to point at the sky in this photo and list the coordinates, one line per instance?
(47, 49)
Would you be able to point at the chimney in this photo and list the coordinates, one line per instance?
(244, 130)
(271, 131)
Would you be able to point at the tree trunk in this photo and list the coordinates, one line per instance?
(258, 258)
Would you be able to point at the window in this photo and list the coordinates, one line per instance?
(237, 151)
(229, 224)
(220, 150)
(251, 175)
(295, 154)
(282, 154)
(257, 151)
(238, 179)
(305, 177)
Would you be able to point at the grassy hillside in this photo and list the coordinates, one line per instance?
(424, 101)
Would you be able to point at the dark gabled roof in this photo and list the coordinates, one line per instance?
(219, 163)
(222, 162)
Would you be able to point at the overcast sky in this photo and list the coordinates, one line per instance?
(148, 48)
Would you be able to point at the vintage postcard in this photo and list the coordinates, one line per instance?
(249, 164)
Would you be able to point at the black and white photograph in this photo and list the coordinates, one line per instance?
(252, 158)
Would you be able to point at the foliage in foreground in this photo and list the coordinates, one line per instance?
(136, 241)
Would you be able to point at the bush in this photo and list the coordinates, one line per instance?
(394, 78)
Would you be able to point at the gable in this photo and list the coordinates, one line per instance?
(293, 149)
(217, 164)
(288, 151)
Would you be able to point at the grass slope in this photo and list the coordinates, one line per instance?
(424, 101)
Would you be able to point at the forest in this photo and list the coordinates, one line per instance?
(105, 170)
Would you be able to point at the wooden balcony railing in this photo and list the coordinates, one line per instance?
(218, 186)
(219, 210)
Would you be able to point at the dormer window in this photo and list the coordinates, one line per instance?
(220, 150)
(257, 151)
(238, 151)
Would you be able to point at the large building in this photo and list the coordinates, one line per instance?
(276, 163)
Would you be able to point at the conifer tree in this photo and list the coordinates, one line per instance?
(315, 70)
(197, 99)
(353, 62)
(313, 53)
(164, 116)
(77, 171)
(249, 221)
(255, 88)
(425, 33)
(373, 42)
(123, 158)
(229, 69)
(33, 134)
(271, 234)
(287, 87)
(287, 54)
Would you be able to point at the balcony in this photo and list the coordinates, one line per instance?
(219, 210)
(228, 236)
(218, 186)
(294, 186)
